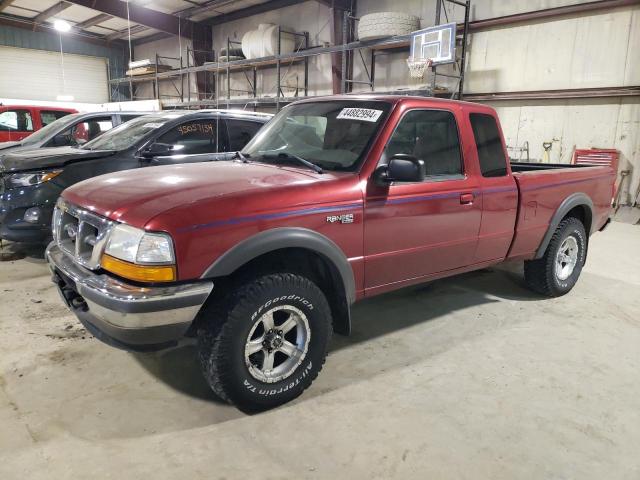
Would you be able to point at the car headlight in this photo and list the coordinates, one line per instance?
(18, 180)
(139, 255)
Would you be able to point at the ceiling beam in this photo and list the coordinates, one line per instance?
(5, 3)
(250, 11)
(202, 8)
(150, 38)
(144, 16)
(28, 24)
(337, 4)
(51, 11)
(123, 33)
(90, 22)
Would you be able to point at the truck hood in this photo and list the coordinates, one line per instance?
(40, 158)
(137, 196)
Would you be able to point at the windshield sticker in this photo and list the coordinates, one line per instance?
(152, 125)
(364, 114)
(195, 127)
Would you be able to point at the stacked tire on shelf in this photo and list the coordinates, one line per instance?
(386, 24)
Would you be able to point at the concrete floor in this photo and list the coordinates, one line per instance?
(468, 378)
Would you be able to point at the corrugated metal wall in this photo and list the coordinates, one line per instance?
(50, 41)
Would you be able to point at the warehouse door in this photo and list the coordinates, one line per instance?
(37, 75)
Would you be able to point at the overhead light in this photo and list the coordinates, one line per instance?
(64, 98)
(61, 25)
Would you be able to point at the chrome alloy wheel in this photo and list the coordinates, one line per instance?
(567, 258)
(277, 344)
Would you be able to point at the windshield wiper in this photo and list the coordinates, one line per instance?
(306, 163)
(239, 156)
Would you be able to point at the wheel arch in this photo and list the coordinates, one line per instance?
(293, 244)
(578, 205)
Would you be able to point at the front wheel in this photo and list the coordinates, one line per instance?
(558, 270)
(266, 342)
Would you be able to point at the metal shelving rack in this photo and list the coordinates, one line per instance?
(402, 44)
(176, 76)
(348, 49)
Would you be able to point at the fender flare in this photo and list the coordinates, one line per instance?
(277, 239)
(574, 200)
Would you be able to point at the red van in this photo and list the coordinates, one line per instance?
(18, 122)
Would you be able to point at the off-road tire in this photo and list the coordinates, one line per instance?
(386, 24)
(541, 276)
(227, 324)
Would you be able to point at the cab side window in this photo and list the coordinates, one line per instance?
(431, 136)
(83, 132)
(48, 116)
(240, 132)
(196, 136)
(493, 162)
(16, 121)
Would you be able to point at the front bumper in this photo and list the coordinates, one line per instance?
(124, 315)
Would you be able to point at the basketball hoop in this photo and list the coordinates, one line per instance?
(418, 67)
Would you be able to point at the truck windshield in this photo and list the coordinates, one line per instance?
(129, 133)
(45, 132)
(334, 135)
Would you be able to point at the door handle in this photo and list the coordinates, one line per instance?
(466, 198)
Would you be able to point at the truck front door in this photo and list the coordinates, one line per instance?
(414, 230)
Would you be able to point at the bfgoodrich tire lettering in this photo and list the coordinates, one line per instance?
(557, 272)
(257, 320)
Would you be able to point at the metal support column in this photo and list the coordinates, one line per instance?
(228, 72)
(306, 65)
(278, 70)
(434, 68)
(345, 40)
(463, 54)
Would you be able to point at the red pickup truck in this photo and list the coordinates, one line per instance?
(334, 200)
(18, 122)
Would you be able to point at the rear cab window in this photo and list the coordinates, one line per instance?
(493, 162)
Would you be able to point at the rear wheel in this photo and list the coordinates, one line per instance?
(558, 270)
(266, 342)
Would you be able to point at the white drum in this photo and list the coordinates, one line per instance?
(263, 42)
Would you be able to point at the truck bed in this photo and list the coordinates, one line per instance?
(543, 187)
(520, 167)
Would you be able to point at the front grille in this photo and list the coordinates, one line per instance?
(80, 234)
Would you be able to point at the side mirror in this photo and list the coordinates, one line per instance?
(402, 168)
(156, 150)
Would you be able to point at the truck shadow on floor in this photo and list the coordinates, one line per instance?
(10, 251)
(422, 303)
(371, 320)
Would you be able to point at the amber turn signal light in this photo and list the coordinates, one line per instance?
(139, 273)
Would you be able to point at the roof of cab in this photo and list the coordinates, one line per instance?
(218, 111)
(391, 99)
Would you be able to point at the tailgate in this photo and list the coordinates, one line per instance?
(545, 194)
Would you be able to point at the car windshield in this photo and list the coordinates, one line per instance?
(57, 125)
(334, 135)
(129, 133)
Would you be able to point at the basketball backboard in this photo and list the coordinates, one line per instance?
(435, 43)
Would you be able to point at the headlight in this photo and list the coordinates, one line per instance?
(18, 180)
(139, 255)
